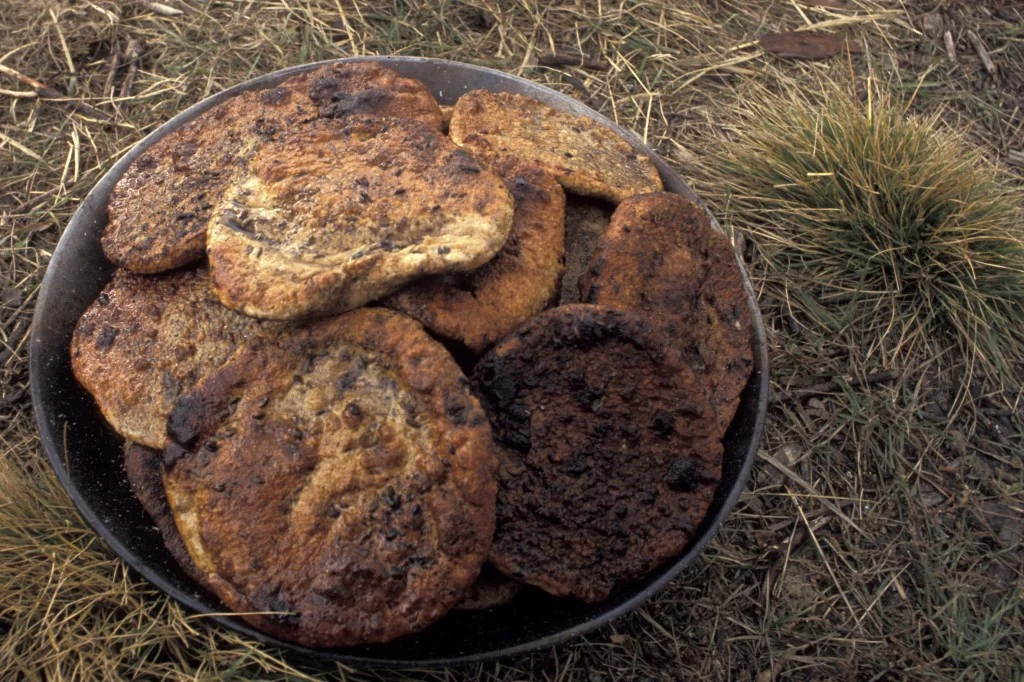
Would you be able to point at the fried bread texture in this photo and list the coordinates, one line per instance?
(610, 454)
(340, 213)
(338, 485)
(367, 88)
(482, 306)
(585, 156)
(148, 339)
(688, 282)
(159, 209)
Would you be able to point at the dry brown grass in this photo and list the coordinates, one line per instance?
(880, 537)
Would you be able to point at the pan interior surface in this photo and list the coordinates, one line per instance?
(86, 453)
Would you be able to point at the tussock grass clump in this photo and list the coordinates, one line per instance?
(898, 230)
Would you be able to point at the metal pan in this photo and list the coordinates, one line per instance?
(86, 453)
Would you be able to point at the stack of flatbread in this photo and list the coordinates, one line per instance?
(350, 396)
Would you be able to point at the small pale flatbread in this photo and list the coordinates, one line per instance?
(338, 486)
(147, 340)
(586, 157)
(482, 306)
(340, 213)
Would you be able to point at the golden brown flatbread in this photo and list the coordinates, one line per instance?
(338, 486)
(482, 306)
(146, 340)
(586, 157)
(340, 213)
(689, 283)
(159, 209)
(610, 456)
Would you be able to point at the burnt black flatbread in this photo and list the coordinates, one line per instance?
(610, 453)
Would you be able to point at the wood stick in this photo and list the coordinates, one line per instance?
(132, 54)
(947, 38)
(46, 92)
(22, 94)
(41, 89)
(979, 47)
(566, 58)
(113, 66)
(799, 391)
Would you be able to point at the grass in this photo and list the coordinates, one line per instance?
(879, 537)
(909, 227)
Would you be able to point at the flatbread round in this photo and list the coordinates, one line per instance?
(159, 209)
(610, 456)
(145, 476)
(337, 487)
(585, 156)
(482, 306)
(661, 256)
(146, 340)
(491, 589)
(340, 213)
(367, 88)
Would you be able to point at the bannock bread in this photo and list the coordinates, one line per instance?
(159, 209)
(690, 285)
(146, 340)
(610, 454)
(482, 306)
(585, 156)
(336, 214)
(337, 486)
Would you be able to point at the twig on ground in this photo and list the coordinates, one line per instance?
(979, 47)
(1015, 157)
(566, 58)
(113, 64)
(947, 38)
(833, 386)
(132, 54)
(44, 91)
(801, 388)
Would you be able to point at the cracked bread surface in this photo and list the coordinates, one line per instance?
(337, 486)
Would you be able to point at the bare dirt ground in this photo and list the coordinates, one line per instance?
(881, 533)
